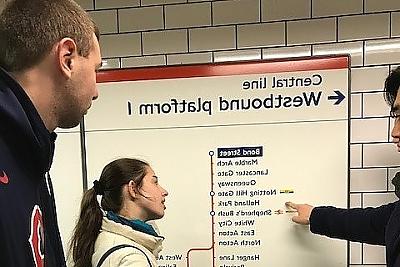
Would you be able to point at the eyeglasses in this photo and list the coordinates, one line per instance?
(395, 114)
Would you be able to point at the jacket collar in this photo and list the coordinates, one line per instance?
(23, 127)
(152, 243)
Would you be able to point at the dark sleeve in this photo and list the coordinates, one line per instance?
(361, 225)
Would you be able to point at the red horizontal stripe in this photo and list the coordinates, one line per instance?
(224, 69)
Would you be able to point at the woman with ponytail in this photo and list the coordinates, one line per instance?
(116, 232)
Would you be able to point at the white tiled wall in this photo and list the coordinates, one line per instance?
(168, 32)
(324, 8)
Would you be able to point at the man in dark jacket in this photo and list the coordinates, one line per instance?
(49, 54)
(377, 226)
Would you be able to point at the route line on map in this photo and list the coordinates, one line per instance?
(212, 213)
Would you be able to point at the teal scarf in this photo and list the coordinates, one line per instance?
(135, 224)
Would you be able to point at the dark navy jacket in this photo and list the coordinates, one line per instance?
(376, 226)
(29, 234)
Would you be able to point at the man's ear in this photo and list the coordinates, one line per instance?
(67, 54)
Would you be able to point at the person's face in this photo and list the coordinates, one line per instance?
(395, 112)
(81, 89)
(151, 197)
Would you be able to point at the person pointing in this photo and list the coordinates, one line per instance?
(376, 226)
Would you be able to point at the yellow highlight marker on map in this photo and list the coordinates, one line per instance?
(278, 212)
(286, 191)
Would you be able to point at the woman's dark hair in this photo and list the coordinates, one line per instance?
(113, 177)
(392, 84)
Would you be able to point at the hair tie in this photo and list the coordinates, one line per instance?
(98, 188)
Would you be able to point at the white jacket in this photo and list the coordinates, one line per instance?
(112, 234)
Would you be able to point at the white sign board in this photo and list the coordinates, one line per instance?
(232, 143)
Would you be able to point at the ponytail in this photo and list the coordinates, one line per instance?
(86, 230)
(114, 175)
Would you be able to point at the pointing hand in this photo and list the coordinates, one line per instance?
(303, 210)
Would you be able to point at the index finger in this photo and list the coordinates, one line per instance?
(291, 205)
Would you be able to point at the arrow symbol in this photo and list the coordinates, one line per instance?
(338, 97)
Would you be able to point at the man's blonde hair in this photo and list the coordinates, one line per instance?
(30, 28)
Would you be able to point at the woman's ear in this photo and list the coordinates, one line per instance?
(132, 189)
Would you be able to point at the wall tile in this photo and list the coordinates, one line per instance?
(173, 41)
(322, 8)
(110, 63)
(355, 49)
(188, 15)
(143, 61)
(374, 254)
(391, 124)
(396, 24)
(285, 9)
(192, 58)
(237, 55)
(355, 200)
(355, 155)
(161, 2)
(375, 105)
(367, 180)
(363, 27)
(258, 35)
(235, 12)
(378, 199)
(120, 45)
(355, 253)
(101, 4)
(368, 79)
(311, 31)
(379, 5)
(141, 19)
(106, 20)
(391, 173)
(368, 130)
(222, 38)
(393, 67)
(380, 155)
(382, 52)
(356, 106)
(85, 4)
(287, 52)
